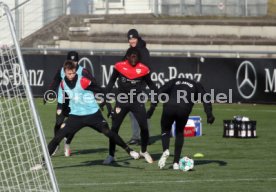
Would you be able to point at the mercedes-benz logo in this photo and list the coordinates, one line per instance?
(87, 64)
(246, 79)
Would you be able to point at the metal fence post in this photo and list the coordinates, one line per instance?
(181, 7)
(246, 8)
(106, 7)
(159, 4)
(155, 6)
(200, 7)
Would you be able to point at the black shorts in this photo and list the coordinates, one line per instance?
(172, 114)
(138, 110)
(96, 121)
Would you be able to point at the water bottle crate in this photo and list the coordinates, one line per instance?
(239, 129)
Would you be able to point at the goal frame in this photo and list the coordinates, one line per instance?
(30, 97)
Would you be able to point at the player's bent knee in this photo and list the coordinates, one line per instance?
(106, 131)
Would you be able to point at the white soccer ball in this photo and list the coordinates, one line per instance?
(186, 164)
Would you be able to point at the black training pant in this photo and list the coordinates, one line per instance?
(139, 111)
(180, 116)
(76, 123)
(60, 119)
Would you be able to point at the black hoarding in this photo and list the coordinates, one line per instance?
(244, 80)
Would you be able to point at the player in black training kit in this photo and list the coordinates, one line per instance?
(64, 109)
(131, 75)
(182, 94)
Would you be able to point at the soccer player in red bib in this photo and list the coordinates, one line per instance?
(131, 76)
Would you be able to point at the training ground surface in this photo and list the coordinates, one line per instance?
(229, 164)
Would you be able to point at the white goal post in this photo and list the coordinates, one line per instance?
(22, 141)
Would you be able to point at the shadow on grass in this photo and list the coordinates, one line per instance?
(123, 164)
(82, 152)
(153, 139)
(90, 151)
(203, 162)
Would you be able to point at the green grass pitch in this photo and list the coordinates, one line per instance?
(229, 164)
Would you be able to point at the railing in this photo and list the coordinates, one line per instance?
(228, 8)
(155, 52)
(31, 15)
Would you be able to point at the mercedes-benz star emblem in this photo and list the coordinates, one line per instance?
(246, 79)
(87, 64)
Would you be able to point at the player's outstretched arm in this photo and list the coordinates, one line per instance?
(54, 84)
(112, 81)
(164, 89)
(150, 83)
(92, 85)
(207, 105)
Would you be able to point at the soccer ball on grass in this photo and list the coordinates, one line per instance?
(186, 164)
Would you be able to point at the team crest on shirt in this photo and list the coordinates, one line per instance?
(117, 110)
(138, 71)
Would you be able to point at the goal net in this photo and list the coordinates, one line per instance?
(22, 142)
